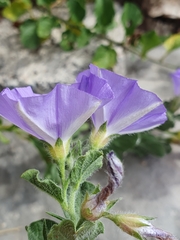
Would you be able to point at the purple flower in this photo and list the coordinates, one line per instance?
(176, 81)
(131, 109)
(48, 117)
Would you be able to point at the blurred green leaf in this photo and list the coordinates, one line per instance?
(173, 105)
(150, 144)
(105, 57)
(150, 40)
(84, 38)
(45, 25)
(76, 9)
(104, 11)
(172, 42)
(123, 143)
(68, 40)
(45, 3)
(170, 123)
(131, 17)
(4, 3)
(28, 35)
(16, 9)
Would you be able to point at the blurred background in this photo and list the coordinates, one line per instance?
(43, 42)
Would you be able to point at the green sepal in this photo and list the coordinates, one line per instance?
(85, 166)
(63, 231)
(39, 229)
(55, 216)
(103, 127)
(46, 185)
(111, 204)
(89, 230)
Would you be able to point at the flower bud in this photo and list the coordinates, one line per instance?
(93, 208)
(115, 170)
(98, 138)
(139, 226)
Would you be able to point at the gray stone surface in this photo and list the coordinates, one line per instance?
(151, 186)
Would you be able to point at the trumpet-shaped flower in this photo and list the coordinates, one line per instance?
(176, 81)
(48, 117)
(131, 110)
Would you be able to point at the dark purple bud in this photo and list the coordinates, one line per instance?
(115, 170)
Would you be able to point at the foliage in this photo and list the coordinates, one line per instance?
(35, 29)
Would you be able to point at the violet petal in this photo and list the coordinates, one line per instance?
(57, 114)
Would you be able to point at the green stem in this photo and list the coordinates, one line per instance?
(63, 179)
(72, 199)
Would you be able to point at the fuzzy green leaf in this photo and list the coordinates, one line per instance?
(76, 9)
(63, 231)
(85, 166)
(89, 230)
(39, 229)
(104, 11)
(105, 57)
(131, 17)
(46, 185)
(28, 35)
